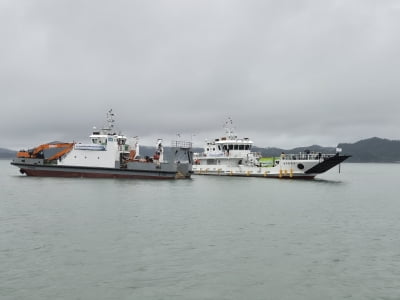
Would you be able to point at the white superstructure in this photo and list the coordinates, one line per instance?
(232, 156)
(108, 155)
(105, 150)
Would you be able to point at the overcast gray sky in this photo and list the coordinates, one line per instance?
(289, 73)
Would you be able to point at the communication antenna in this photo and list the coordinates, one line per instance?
(110, 121)
(229, 129)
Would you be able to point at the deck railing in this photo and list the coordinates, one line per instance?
(305, 156)
(289, 156)
(181, 144)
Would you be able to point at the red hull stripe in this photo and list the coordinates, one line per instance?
(46, 173)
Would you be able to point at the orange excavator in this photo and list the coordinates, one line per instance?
(38, 151)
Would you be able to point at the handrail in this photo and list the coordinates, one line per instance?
(181, 144)
(304, 156)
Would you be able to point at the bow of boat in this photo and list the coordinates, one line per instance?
(327, 164)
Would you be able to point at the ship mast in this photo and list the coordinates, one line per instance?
(229, 129)
(109, 127)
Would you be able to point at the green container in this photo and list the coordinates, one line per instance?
(267, 161)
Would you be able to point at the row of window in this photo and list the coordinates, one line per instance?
(231, 147)
(110, 139)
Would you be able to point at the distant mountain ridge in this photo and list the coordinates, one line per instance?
(373, 150)
(368, 150)
(6, 153)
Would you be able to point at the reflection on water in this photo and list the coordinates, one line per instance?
(207, 238)
(327, 181)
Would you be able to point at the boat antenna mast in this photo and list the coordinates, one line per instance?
(110, 121)
(229, 129)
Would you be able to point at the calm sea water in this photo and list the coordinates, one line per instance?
(206, 238)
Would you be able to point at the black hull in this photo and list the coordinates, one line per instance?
(327, 164)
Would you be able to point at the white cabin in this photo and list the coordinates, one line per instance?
(104, 150)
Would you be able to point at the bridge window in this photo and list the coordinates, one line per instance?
(241, 147)
(230, 147)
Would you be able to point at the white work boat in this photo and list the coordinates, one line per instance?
(232, 156)
(108, 155)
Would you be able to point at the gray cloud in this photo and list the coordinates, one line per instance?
(289, 73)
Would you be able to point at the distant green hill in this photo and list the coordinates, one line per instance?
(373, 150)
(368, 150)
(6, 153)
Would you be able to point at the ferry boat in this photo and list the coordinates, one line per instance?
(108, 155)
(232, 156)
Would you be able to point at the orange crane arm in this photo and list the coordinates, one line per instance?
(49, 146)
(33, 153)
(62, 152)
(24, 154)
